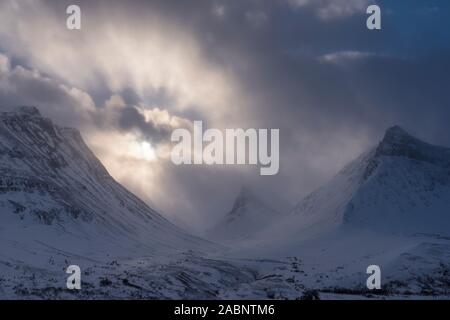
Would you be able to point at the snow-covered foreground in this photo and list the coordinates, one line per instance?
(337, 263)
(411, 269)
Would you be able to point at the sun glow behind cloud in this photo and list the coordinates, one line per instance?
(141, 150)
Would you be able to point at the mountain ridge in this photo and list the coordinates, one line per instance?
(400, 186)
(52, 186)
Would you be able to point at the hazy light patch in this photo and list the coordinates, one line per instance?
(128, 159)
(256, 18)
(4, 63)
(141, 150)
(343, 56)
(219, 10)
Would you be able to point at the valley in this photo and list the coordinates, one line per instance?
(60, 207)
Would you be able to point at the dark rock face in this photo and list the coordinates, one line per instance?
(397, 142)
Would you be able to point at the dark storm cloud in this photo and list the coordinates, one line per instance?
(131, 119)
(64, 104)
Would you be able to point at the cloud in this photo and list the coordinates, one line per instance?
(4, 63)
(23, 86)
(256, 18)
(344, 56)
(219, 10)
(332, 9)
(160, 54)
(152, 124)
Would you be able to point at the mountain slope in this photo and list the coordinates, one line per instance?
(402, 186)
(406, 187)
(54, 193)
(248, 215)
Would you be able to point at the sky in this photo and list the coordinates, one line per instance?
(137, 70)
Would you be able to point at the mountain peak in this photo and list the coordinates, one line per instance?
(398, 142)
(23, 110)
(248, 215)
(244, 198)
(397, 135)
(245, 192)
(396, 132)
(246, 203)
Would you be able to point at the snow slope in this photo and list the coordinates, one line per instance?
(248, 215)
(405, 188)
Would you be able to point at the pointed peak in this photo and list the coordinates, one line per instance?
(243, 198)
(396, 129)
(397, 138)
(398, 142)
(245, 192)
(396, 134)
(22, 110)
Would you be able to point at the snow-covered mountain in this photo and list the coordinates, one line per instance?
(400, 186)
(248, 215)
(59, 206)
(405, 187)
(389, 207)
(54, 193)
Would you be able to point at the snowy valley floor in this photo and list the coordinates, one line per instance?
(414, 268)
